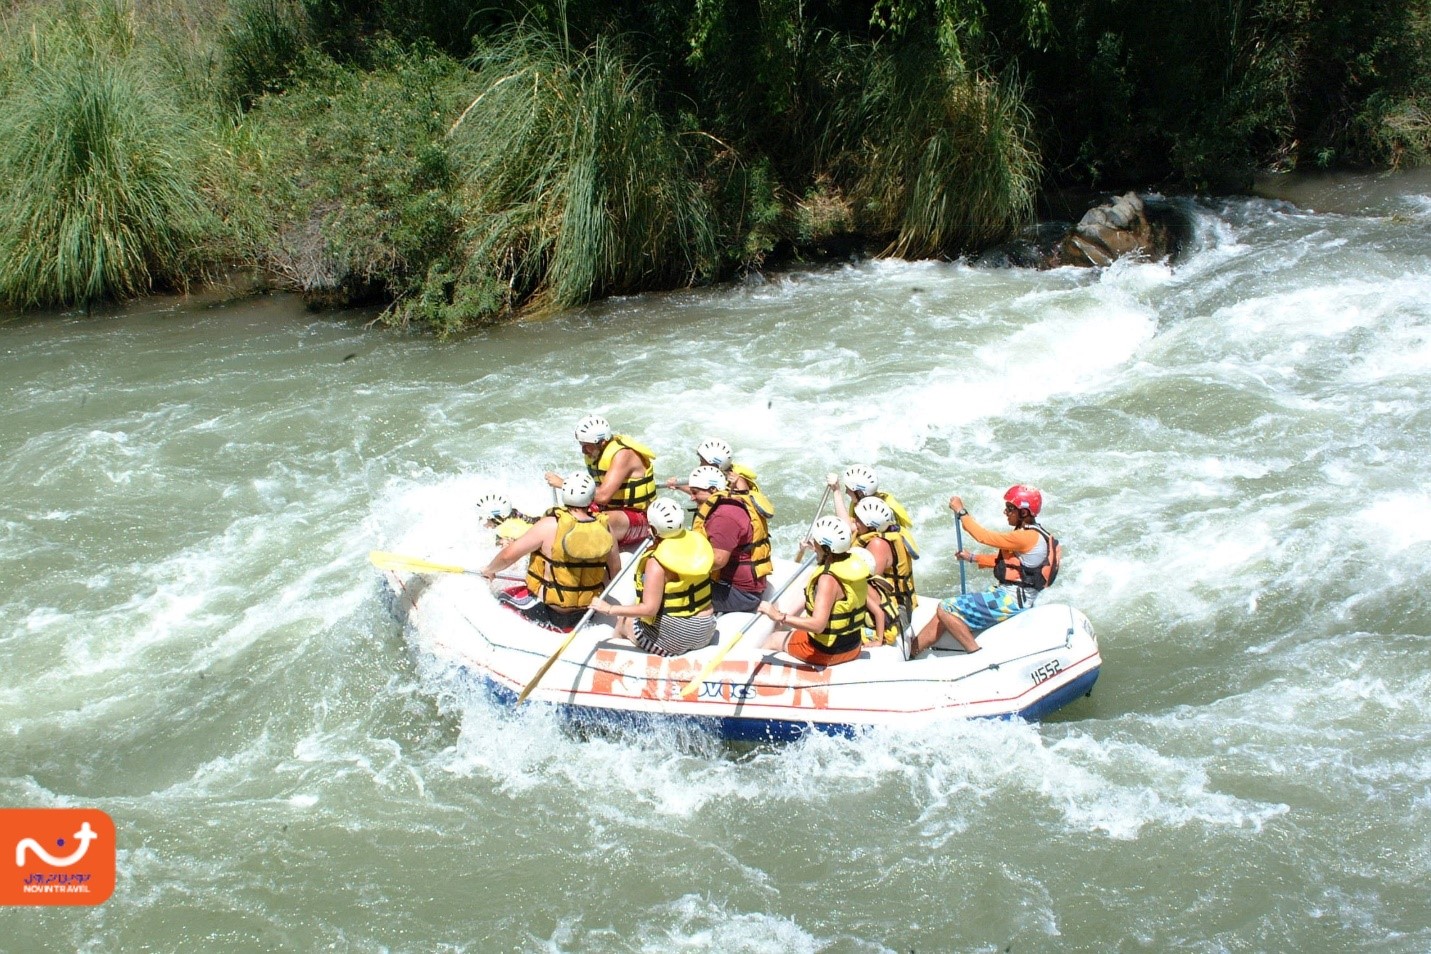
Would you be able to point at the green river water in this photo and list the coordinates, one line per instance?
(1233, 450)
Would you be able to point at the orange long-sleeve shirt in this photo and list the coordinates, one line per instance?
(1012, 543)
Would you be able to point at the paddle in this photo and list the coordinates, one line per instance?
(527, 690)
(725, 650)
(818, 510)
(959, 548)
(396, 561)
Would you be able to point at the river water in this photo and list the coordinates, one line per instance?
(193, 640)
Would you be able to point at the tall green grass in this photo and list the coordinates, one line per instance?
(940, 161)
(103, 195)
(579, 188)
(261, 42)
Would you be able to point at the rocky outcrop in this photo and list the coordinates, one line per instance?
(1110, 232)
(1150, 229)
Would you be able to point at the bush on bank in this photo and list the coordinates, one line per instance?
(358, 183)
(463, 161)
(579, 187)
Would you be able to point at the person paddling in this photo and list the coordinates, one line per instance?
(1026, 563)
(861, 482)
(571, 554)
(715, 452)
(893, 572)
(672, 613)
(621, 468)
(830, 629)
(499, 516)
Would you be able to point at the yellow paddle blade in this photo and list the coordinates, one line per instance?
(396, 561)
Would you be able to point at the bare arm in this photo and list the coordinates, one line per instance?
(653, 591)
(879, 548)
(527, 543)
(827, 591)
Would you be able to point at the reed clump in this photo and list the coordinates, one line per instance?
(260, 43)
(578, 187)
(103, 169)
(941, 161)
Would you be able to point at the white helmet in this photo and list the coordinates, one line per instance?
(832, 533)
(593, 430)
(578, 490)
(875, 514)
(706, 478)
(666, 517)
(715, 452)
(861, 478)
(494, 506)
(864, 556)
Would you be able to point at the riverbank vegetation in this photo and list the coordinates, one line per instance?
(466, 162)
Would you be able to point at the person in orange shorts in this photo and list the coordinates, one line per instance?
(832, 627)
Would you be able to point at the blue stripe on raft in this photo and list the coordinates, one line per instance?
(1072, 692)
(764, 730)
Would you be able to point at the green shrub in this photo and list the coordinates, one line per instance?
(942, 161)
(358, 180)
(261, 42)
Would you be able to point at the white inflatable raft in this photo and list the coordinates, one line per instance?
(1027, 667)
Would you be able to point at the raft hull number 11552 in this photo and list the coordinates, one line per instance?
(1047, 671)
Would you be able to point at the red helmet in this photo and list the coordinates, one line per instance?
(1027, 498)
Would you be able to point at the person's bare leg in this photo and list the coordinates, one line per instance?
(926, 637)
(957, 628)
(776, 640)
(618, 523)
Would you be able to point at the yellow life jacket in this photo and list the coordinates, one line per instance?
(893, 620)
(761, 501)
(512, 528)
(576, 572)
(636, 493)
(900, 572)
(757, 554)
(847, 617)
(687, 559)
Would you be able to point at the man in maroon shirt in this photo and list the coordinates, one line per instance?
(727, 522)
